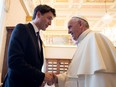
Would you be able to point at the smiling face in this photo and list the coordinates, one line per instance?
(75, 28)
(46, 20)
(43, 21)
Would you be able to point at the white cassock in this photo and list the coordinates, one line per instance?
(93, 64)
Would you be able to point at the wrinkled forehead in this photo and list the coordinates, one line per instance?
(72, 21)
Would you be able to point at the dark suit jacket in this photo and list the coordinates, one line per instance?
(24, 58)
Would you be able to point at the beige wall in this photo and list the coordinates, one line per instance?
(62, 52)
(15, 15)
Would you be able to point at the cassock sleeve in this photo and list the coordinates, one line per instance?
(61, 80)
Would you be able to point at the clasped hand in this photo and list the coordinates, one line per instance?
(50, 79)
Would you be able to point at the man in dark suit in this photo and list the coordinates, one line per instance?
(25, 52)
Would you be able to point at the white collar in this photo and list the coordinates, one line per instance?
(35, 27)
(83, 35)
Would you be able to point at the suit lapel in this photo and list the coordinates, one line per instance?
(35, 40)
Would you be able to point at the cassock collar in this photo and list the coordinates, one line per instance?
(83, 35)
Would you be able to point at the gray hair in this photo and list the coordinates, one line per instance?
(83, 20)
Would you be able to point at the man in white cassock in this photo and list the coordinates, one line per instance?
(94, 62)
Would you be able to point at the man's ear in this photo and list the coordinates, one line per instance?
(80, 23)
(38, 14)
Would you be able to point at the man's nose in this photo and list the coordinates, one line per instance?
(49, 22)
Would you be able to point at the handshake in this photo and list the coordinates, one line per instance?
(50, 79)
